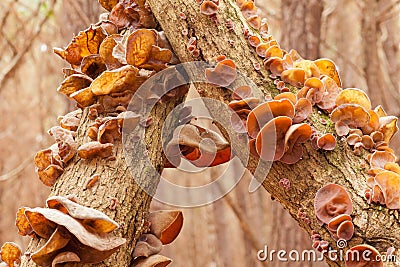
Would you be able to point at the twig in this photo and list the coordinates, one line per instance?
(13, 65)
(80, 13)
(381, 17)
(14, 173)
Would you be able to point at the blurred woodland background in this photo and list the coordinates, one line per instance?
(362, 37)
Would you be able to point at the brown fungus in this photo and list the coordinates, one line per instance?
(264, 112)
(294, 76)
(327, 67)
(330, 201)
(270, 141)
(303, 109)
(350, 114)
(91, 247)
(389, 183)
(208, 8)
(296, 135)
(95, 149)
(378, 159)
(90, 218)
(223, 74)
(64, 257)
(153, 261)
(327, 142)
(147, 245)
(166, 224)
(345, 230)
(363, 255)
(11, 254)
(354, 96)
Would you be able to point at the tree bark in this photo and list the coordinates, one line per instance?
(375, 225)
(116, 181)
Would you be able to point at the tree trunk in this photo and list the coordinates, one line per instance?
(317, 168)
(376, 225)
(116, 181)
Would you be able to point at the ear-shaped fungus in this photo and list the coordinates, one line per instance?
(378, 159)
(70, 234)
(263, 113)
(356, 256)
(147, 245)
(201, 146)
(270, 141)
(350, 114)
(92, 219)
(389, 183)
(153, 261)
(345, 230)
(293, 76)
(166, 224)
(294, 137)
(11, 254)
(95, 149)
(208, 8)
(354, 96)
(330, 201)
(303, 109)
(327, 67)
(65, 257)
(326, 142)
(332, 90)
(223, 74)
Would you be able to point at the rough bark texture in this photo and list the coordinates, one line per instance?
(116, 181)
(374, 224)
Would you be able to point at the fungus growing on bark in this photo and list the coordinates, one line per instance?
(378, 159)
(70, 121)
(270, 141)
(354, 96)
(293, 76)
(65, 257)
(86, 43)
(296, 135)
(330, 201)
(287, 95)
(147, 245)
(327, 142)
(254, 40)
(332, 90)
(388, 126)
(327, 67)
(223, 74)
(201, 146)
(313, 90)
(264, 112)
(355, 257)
(208, 8)
(345, 230)
(341, 128)
(93, 65)
(119, 80)
(95, 149)
(309, 67)
(242, 92)
(11, 254)
(153, 261)
(350, 114)
(74, 83)
(92, 219)
(166, 224)
(254, 21)
(353, 139)
(334, 223)
(303, 109)
(389, 183)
